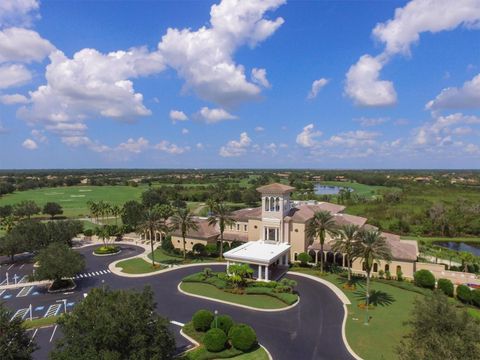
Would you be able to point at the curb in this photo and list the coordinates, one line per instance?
(20, 285)
(112, 254)
(237, 305)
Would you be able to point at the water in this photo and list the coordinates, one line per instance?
(327, 190)
(473, 248)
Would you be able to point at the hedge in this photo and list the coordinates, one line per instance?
(243, 337)
(476, 297)
(446, 286)
(212, 280)
(464, 294)
(109, 249)
(215, 340)
(287, 298)
(424, 278)
(202, 320)
(223, 322)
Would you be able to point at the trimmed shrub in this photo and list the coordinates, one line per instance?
(211, 250)
(243, 337)
(222, 322)
(304, 258)
(167, 244)
(88, 232)
(202, 320)
(476, 297)
(446, 286)
(425, 279)
(464, 294)
(215, 340)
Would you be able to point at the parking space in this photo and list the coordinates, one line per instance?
(44, 338)
(20, 313)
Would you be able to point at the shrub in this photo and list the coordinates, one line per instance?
(243, 337)
(446, 286)
(425, 279)
(464, 294)
(222, 322)
(287, 284)
(202, 320)
(304, 258)
(104, 250)
(476, 297)
(388, 276)
(167, 244)
(215, 340)
(211, 250)
(207, 272)
(88, 232)
(199, 249)
(381, 273)
(400, 276)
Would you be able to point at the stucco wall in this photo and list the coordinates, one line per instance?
(407, 268)
(254, 234)
(189, 243)
(298, 239)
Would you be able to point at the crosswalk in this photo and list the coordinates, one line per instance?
(92, 274)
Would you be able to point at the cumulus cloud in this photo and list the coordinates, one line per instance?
(363, 82)
(39, 135)
(29, 144)
(13, 75)
(23, 45)
(177, 115)
(353, 139)
(18, 12)
(259, 129)
(307, 138)
(259, 76)
(185, 131)
(170, 148)
(12, 99)
(235, 148)
(211, 116)
(369, 122)
(76, 141)
(217, 78)
(468, 96)
(133, 146)
(317, 85)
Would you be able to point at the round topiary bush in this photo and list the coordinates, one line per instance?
(223, 322)
(446, 286)
(202, 320)
(304, 258)
(464, 294)
(476, 297)
(215, 340)
(425, 279)
(243, 337)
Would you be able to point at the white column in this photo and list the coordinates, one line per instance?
(266, 273)
(285, 259)
(316, 257)
(259, 277)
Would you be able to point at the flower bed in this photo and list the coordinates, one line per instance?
(107, 250)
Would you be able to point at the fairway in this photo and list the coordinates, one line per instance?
(74, 199)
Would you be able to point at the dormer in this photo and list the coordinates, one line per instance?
(275, 200)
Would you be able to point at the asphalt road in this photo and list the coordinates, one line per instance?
(310, 330)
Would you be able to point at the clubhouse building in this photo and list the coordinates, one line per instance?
(275, 233)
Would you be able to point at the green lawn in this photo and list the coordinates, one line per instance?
(162, 257)
(256, 301)
(35, 323)
(137, 266)
(442, 239)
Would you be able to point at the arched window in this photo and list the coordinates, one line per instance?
(267, 206)
(272, 204)
(277, 204)
(387, 267)
(375, 267)
(399, 269)
(364, 268)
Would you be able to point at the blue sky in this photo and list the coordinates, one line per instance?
(261, 84)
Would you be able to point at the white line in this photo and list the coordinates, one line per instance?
(96, 273)
(177, 323)
(109, 271)
(2, 291)
(90, 274)
(22, 266)
(53, 333)
(10, 266)
(34, 333)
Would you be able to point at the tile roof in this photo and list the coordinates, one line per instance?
(275, 188)
(204, 231)
(303, 213)
(245, 214)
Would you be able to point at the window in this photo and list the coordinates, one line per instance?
(244, 227)
(277, 204)
(387, 267)
(296, 230)
(238, 227)
(255, 227)
(375, 267)
(267, 204)
(272, 204)
(295, 256)
(271, 234)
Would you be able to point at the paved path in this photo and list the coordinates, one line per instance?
(310, 331)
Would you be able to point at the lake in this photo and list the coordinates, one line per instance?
(473, 248)
(327, 189)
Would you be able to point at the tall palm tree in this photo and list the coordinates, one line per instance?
(94, 209)
(115, 210)
(211, 203)
(223, 217)
(184, 222)
(322, 223)
(371, 247)
(345, 242)
(151, 223)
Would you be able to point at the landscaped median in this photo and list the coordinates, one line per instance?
(106, 250)
(41, 322)
(138, 265)
(219, 286)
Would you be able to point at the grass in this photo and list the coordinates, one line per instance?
(430, 240)
(35, 323)
(109, 249)
(137, 266)
(162, 257)
(210, 291)
(474, 312)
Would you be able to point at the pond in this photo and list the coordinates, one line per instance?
(327, 189)
(470, 247)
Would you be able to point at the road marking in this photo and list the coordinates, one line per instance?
(25, 291)
(39, 308)
(53, 333)
(21, 267)
(20, 313)
(2, 291)
(8, 296)
(70, 304)
(34, 333)
(52, 310)
(23, 279)
(68, 293)
(35, 293)
(96, 273)
(177, 323)
(11, 266)
(109, 271)
(3, 282)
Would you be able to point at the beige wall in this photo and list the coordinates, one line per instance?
(430, 267)
(408, 268)
(254, 234)
(189, 242)
(298, 239)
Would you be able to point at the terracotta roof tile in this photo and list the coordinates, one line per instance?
(275, 188)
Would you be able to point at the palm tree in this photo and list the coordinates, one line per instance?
(223, 217)
(8, 223)
(322, 223)
(115, 210)
(344, 244)
(184, 222)
(467, 259)
(211, 204)
(152, 222)
(371, 247)
(94, 209)
(103, 232)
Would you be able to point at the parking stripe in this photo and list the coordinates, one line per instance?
(25, 291)
(20, 313)
(52, 310)
(53, 333)
(2, 291)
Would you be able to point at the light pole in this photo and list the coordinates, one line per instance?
(30, 309)
(6, 274)
(216, 321)
(64, 304)
(103, 285)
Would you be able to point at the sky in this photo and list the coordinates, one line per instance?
(240, 84)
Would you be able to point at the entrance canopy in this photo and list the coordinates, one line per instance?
(258, 252)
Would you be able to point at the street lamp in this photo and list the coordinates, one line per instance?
(103, 285)
(216, 321)
(64, 304)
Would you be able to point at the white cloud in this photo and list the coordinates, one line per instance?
(39, 135)
(307, 137)
(76, 141)
(185, 131)
(350, 139)
(3, 129)
(236, 148)
(23, 45)
(200, 146)
(317, 85)
(133, 146)
(204, 58)
(67, 129)
(259, 129)
(29, 144)
(170, 148)
(369, 122)
(468, 96)
(364, 86)
(259, 76)
(13, 75)
(177, 115)
(211, 116)
(12, 99)
(18, 12)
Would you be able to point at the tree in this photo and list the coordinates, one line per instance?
(6, 211)
(223, 217)
(152, 222)
(58, 261)
(344, 244)
(467, 259)
(11, 245)
(132, 214)
(115, 211)
(154, 196)
(94, 209)
(239, 273)
(52, 209)
(371, 247)
(439, 330)
(8, 223)
(322, 223)
(111, 324)
(15, 343)
(26, 208)
(184, 222)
